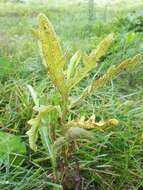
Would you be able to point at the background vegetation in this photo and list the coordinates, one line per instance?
(114, 159)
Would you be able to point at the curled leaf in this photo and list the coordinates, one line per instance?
(92, 123)
(39, 121)
(33, 133)
(114, 122)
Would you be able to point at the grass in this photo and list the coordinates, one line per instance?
(114, 159)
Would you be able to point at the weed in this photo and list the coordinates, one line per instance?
(56, 117)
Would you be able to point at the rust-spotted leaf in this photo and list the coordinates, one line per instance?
(51, 53)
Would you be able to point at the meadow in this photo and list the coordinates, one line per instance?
(113, 159)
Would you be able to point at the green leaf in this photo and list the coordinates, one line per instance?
(130, 37)
(10, 145)
(73, 64)
(46, 140)
(6, 67)
(59, 143)
(78, 133)
(38, 122)
(33, 132)
(72, 133)
(45, 136)
(33, 94)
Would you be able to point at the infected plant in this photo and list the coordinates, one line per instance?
(52, 122)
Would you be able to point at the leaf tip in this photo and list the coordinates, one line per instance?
(114, 122)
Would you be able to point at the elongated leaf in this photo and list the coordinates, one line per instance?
(73, 64)
(90, 61)
(111, 72)
(33, 132)
(44, 109)
(78, 133)
(46, 140)
(48, 146)
(33, 94)
(91, 123)
(102, 47)
(52, 48)
(51, 53)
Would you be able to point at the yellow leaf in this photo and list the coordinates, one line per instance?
(113, 122)
(92, 123)
(90, 61)
(33, 133)
(51, 53)
(111, 72)
(102, 47)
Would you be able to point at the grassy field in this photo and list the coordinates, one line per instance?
(114, 159)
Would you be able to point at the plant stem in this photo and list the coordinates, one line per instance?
(64, 110)
(48, 146)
